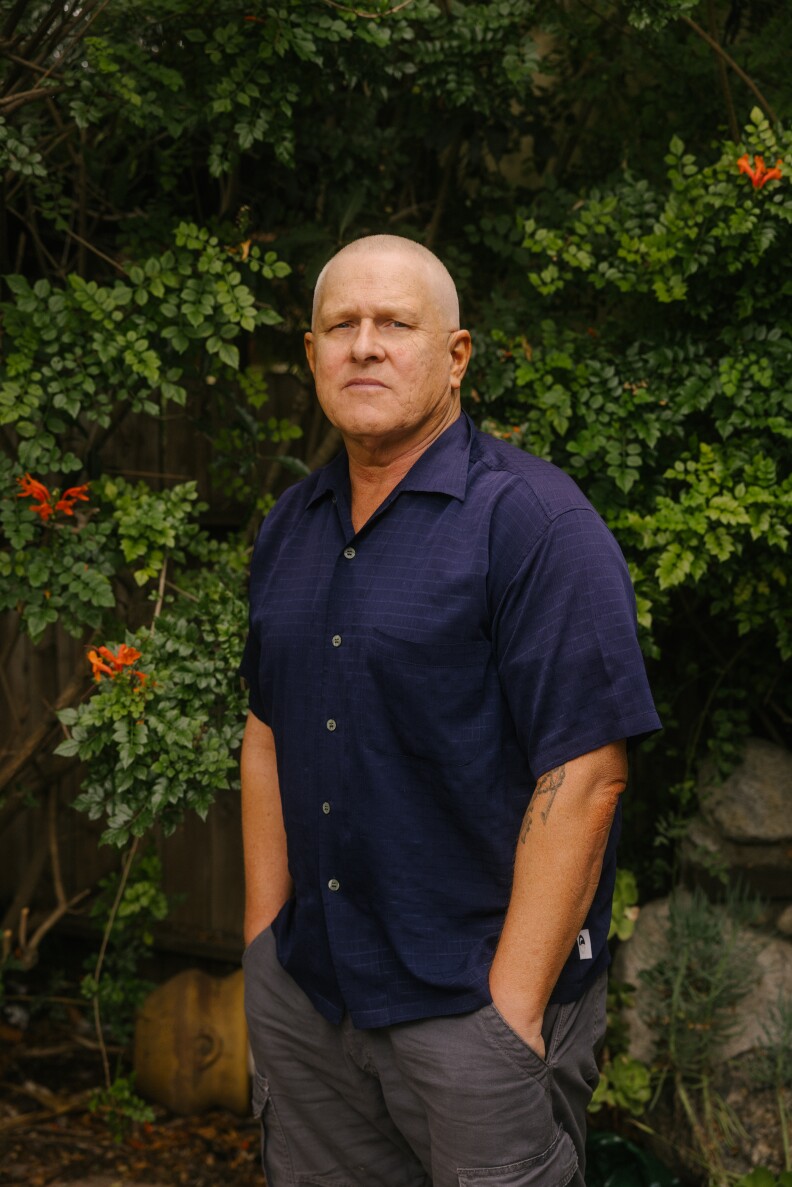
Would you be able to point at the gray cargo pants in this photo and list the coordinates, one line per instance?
(442, 1102)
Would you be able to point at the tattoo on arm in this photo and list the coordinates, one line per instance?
(547, 785)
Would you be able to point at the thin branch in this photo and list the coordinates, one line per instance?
(729, 60)
(54, 852)
(368, 16)
(21, 97)
(31, 745)
(53, 918)
(10, 701)
(130, 857)
(182, 592)
(43, 29)
(160, 592)
(34, 66)
(108, 259)
(44, 39)
(25, 1120)
(13, 19)
(38, 245)
(734, 127)
(449, 169)
(82, 202)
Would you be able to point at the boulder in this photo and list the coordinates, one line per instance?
(744, 826)
(784, 922)
(754, 803)
(765, 868)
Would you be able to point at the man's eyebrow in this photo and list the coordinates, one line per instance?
(398, 313)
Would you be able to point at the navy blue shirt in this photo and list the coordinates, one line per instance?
(418, 676)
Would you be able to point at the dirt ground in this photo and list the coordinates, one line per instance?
(49, 1068)
(50, 1138)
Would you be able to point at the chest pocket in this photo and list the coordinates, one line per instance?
(424, 700)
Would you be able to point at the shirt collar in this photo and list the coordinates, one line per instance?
(443, 468)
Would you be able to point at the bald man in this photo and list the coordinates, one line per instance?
(444, 677)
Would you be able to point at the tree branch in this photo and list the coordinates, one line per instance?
(738, 70)
(451, 162)
(30, 747)
(368, 16)
(21, 97)
(734, 127)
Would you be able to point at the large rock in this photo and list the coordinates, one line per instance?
(754, 804)
(745, 823)
(766, 869)
(649, 944)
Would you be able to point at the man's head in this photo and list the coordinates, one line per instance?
(385, 346)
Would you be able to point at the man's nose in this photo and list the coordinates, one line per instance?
(366, 343)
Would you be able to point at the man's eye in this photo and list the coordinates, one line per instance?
(399, 325)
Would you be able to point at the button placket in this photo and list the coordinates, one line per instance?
(336, 660)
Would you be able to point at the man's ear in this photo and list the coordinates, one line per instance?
(309, 351)
(460, 347)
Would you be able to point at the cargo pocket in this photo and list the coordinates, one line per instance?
(553, 1168)
(275, 1158)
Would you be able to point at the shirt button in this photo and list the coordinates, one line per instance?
(331, 725)
(334, 884)
(334, 499)
(349, 553)
(326, 808)
(336, 640)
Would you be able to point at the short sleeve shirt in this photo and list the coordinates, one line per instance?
(419, 676)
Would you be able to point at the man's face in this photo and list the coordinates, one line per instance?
(386, 362)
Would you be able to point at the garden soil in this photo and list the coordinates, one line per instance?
(50, 1067)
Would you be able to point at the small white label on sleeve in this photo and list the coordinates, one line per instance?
(584, 945)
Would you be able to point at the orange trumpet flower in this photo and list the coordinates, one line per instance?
(33, 489)
(104, 663)
(46, 504)
(759, 172)
(71, 496)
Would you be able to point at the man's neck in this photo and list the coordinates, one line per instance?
(374, 471)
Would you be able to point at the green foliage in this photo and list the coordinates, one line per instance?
(77, 360)
(656, 371)
(762, 1177)
(55, 572)
(625, 910)
(80, 351)
(624, 1084)
(708, 967)
(156, 747)
(657, 13)
(120, 1107)
(772, 1066)
(151, 524)
(613, 1161)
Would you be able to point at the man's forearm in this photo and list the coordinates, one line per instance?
(267, 881)
(556, 871)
